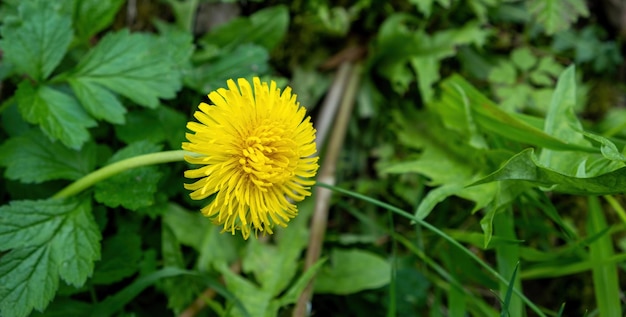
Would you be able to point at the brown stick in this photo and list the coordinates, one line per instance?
(327, 175)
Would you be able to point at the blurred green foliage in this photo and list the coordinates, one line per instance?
(469, 114)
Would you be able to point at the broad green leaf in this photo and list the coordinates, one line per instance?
(132, 65)
(57, 113)
(450, 167)
(32, 223)
(456, 91)
(92, 16)
(255, 300)
(265, 28)
(50, 239)
(99, 102)
(120, 258)
(33, 158)
(398, 46)
(28, 279)
(557, 15)
(131, 189)
(607, 148)
(36, 40)
(76, 244)
(351, 271)
(525, 167)
(272, 267)
(245, 61)
(561, 123)
(195, 230)
(165, 124)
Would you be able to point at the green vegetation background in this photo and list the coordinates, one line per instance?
(470, 115)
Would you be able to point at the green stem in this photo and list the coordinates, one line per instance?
(118, 167)
(439, 233)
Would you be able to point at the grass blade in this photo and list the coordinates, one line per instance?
(605, 279)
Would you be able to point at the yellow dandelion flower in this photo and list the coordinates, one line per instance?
(257, 151)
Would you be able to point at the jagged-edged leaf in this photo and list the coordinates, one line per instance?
(36, 40)
(33, 158)
(58, 114)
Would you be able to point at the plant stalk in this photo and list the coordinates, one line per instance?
(327, 176)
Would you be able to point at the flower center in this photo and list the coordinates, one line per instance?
(267, 156)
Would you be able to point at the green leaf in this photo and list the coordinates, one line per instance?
(37, 39)
(120, 258)
(351, 271)
(33, 158)
(50, 238)
(131, 189)
(525, 167)
(504, 73)
(523, 58)
(245, 61)
(76, 245)
(114, 303)
(557, 15)
(63, 307)
(255, 300)
(561, 122)
(456, 92)
(165, 124)
(57, 113)
(31, 223)
(28, 279)
(265, 28)
(132, 65)
(605, 275)
(92, 16)
(99, 102)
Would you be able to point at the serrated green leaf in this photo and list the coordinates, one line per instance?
(36, 40)
(165, 125)
(351, 271)
(99, 102)
(28, 279)
(76, 245)
(33, 158)
(131, 189)
(58, 114)
(120, 258)
(557, 15)
(50, 239)
(132, 65)
(31, 223)
(92, 16)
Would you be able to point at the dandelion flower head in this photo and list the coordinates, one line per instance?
(255, 148)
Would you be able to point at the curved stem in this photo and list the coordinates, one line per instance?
(439, 233)
(118, 167)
